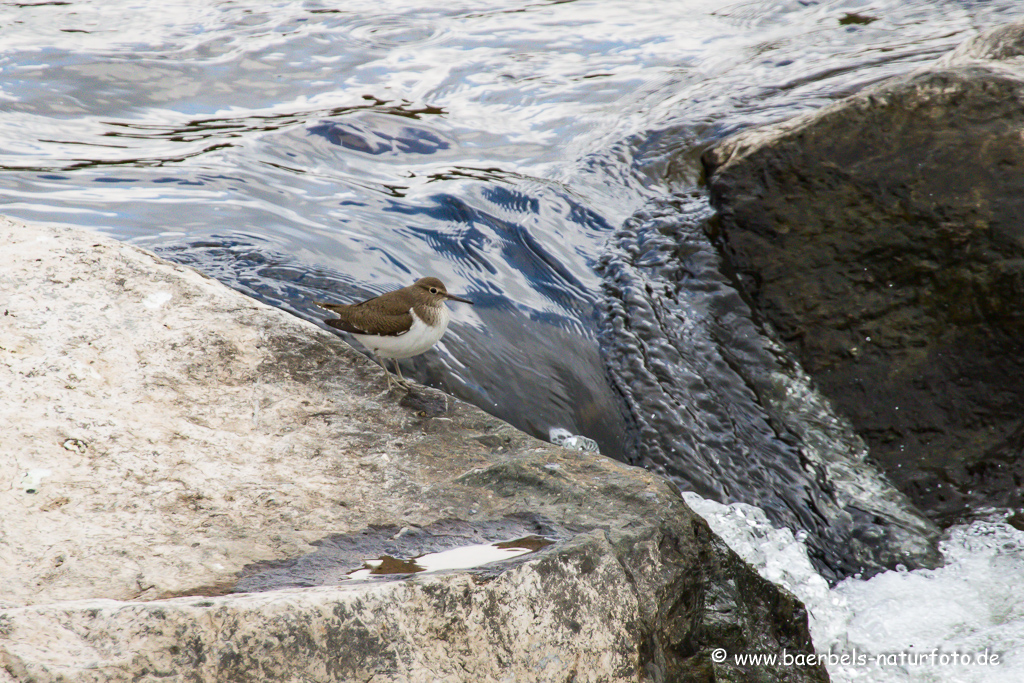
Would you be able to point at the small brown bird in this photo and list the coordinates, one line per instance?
(398, 324)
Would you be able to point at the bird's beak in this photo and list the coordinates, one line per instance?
(459, 298)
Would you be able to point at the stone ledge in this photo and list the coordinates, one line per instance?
(167, 432)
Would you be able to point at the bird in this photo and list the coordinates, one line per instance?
(399, 324)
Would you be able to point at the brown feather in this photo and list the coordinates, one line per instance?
(357, 321)
(388, 315)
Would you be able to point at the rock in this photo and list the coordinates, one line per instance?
(883, 239)
(724, 410)
(172, 444)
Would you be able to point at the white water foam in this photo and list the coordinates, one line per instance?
(900, 626)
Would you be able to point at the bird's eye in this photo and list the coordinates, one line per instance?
(433, 290)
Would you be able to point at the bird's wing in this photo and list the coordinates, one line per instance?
(358, 320)
(340, 308)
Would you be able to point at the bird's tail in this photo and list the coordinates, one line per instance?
(330, 307)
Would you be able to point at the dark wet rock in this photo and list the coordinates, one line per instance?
(883, 239)
(176, 441)
(723, 410)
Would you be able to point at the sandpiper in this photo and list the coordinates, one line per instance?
(398, 324)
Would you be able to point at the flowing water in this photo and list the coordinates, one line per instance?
(542, 158)
(960, 623)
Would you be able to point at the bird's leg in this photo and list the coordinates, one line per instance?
(401, 380)
(386, 373)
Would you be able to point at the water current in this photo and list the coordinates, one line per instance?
(541, 157)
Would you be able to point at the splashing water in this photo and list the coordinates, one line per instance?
(906, 626)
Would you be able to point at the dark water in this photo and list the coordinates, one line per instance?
(540, 157)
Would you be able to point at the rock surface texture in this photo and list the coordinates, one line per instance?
(883, 239)
(166, 438)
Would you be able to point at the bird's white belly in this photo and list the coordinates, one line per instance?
(417, 340)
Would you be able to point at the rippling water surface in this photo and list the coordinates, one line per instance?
(542, 158)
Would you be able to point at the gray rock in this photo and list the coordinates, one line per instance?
(169, 443)
(883, 239)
